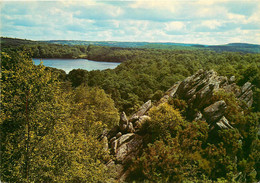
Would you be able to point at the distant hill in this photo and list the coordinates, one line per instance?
(237, 47)
(98, 43)
(14, 42)
(231, 47)
(155, 45)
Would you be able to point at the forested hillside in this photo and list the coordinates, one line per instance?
(112, 51)
(151, 72)
(57, 127)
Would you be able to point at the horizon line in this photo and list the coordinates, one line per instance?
(208, 44)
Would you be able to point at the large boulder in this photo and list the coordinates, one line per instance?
(124, 149)
(128, 148)
(115, 143)
(113, 146)
(197, 89)
(130, 128)
(139, 123)
(223, 123)
(246, 94)
(143, 109)
(170, 93)
(215, 111)
(123, 123)
(125, 138)
(113, 132)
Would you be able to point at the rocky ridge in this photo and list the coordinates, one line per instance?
(124, 141)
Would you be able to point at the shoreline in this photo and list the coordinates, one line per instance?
(81, 58)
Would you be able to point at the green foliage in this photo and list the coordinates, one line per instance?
(145, 71)
(78, 77)
(174, 159)
(234, 109)
(93, 106)
(165, 121)
(30, 109)
(232, 47)
(179, 104)
(150, 71)
(49, 129)
(160, 163)
(240, 142)
(188, 146)
(48, 135)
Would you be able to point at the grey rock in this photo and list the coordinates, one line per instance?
(247, 97)
(246, 94)
(124, 127)
(112, 140)
(113, 132)
(119, 134)
(194, 83)
(118, 172)
(123, 176)
(125, 138)
(104, 134)
(164, 99)
(130, 128)
(223, 123)
(232, 79)
(215, 111)
(169, 93)
(114, 146)
(231, 88)
(143, 109)
(141, 121)
(110, 163)
(123, 122)
(199, 88)
(198, 116)
(123, 118)
(245, 87)
(127, 148)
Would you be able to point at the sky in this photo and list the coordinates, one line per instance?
(180, 21)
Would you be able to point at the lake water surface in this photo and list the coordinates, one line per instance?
(69, 64)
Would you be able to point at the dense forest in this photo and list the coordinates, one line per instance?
(51, 121)
(111, 51)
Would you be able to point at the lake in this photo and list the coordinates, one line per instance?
(69, 64)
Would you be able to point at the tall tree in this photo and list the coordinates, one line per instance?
(44, 134)
(30, 108)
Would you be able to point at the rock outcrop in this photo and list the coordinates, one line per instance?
(125, 142)
(141, 111)
(215, 111)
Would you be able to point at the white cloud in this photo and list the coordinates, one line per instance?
(236, 17)
(115, 11)
(210, 12)
(255, 18)
(164, 5)
(211, 2)
(175, 25)
(212, 24)
(189, 21)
